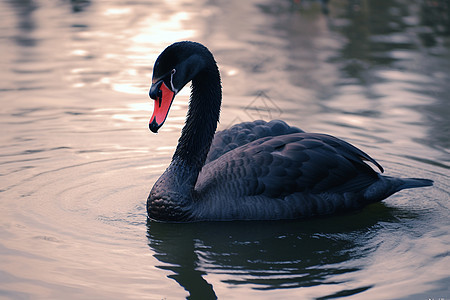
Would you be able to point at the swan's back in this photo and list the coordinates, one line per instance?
(291, 176)
(283, 164)
(244, 133)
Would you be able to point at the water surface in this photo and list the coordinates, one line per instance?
(78, 160)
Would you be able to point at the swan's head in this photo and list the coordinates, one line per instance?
(176, 65)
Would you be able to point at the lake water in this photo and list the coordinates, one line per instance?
(77, 159)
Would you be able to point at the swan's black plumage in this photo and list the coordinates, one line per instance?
(255, 170)
(244, 133)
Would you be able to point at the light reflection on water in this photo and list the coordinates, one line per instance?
(77, 159)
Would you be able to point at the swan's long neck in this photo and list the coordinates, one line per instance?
(201, 123)
(173, 193)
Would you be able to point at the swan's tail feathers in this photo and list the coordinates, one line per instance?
(409, 183)
(398, 184)
(387, 186)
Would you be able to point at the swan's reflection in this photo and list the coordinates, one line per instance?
(267, 255)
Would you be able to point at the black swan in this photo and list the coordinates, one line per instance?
(254, 170)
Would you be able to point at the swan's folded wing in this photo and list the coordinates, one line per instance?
(244, 133)
(283, 165)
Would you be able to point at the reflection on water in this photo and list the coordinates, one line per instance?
(267, 255)
(77, 159)
(327, 256)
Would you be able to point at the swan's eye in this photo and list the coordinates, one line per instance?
(171, 80)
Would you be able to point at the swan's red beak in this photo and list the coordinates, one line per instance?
(162, 105)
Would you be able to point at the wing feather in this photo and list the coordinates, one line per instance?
(244, 133)
(278, 166)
